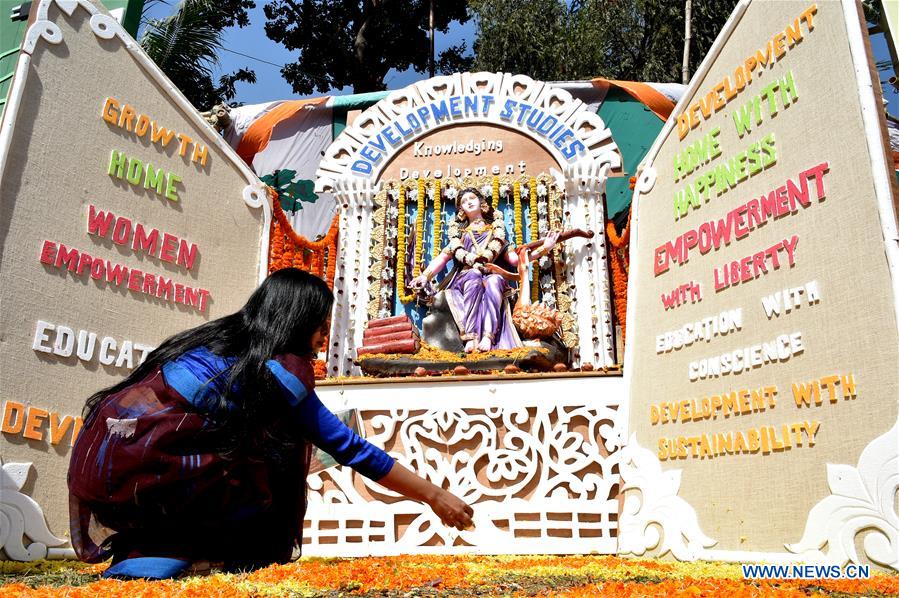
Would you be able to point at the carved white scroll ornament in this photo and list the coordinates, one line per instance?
(863, 499)
(24, 535)
(658, 518)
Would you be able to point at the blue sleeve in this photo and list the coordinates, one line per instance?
(328, 433)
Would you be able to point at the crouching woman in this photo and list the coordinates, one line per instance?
(202, 453)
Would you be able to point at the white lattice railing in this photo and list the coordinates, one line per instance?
(537, 459)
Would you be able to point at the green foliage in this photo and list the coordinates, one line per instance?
(356, 42)
(186, 44)
(637, 40)
(454, 60)
(228, 13)
(291, 193)
(520, 36)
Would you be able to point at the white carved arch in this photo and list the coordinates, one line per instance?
(586, 126)
(349, 314)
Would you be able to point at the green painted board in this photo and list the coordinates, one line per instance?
(356, 101)
(634, 128)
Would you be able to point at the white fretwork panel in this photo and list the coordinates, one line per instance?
(541, 477)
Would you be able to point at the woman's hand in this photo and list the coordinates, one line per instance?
(451, 509)
(434, 268)
(453, 512)
(550, 240)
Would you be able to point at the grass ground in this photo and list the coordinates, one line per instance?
(419, 576)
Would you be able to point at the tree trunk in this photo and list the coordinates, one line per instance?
(431, 31)
(366, 80)
(685, 69)
(365, 76)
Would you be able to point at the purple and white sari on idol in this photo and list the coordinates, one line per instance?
(478, 299)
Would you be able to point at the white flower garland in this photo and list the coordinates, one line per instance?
(387, 272)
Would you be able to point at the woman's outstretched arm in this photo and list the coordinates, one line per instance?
(450, 508)
(436, 265)
(327, 432)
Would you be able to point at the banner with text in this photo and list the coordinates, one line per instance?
(124, 222)
(764, 339)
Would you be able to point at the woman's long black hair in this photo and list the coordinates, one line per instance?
(280, 317)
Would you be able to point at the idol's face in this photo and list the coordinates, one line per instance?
(471, 206)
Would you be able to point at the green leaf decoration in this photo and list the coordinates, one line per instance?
(305, 191)
(292, 193)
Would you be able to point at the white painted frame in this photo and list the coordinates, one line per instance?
(555, 101)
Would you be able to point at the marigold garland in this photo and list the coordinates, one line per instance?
(619, 264)
(404, 295)
(332, 256)
(438, 221)
(379, 292)
(516, 198)
(494, 195)
(420, 229)
(320, 368)
(289, 249)
(556, 219)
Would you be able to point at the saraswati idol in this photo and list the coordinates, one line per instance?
(476, 289)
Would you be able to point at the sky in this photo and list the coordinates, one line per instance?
(250, 47)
